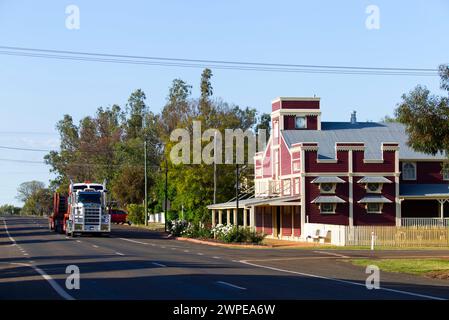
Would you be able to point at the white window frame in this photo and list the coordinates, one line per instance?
(378, 190)
(297, 185)
(375, 211)
(296, 166)
(286, 187)
(407, 178)
(334, 208)
(332, 191)
(305, 122)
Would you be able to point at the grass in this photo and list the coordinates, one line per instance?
(153, 226)
(435, 268)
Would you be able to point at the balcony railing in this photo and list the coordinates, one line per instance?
(268, 188)
(425, 222)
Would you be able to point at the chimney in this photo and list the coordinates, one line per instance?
(354, 117)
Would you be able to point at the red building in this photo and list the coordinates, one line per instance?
(338, 173)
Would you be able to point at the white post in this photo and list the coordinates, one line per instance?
(372, 240)
(245, 215)
(213, 218)
(220, 216)
(252, 218)
(235, 217)
(441, 208)
(228, 216)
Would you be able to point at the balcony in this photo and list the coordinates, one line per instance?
(425, 222)
(268, 188)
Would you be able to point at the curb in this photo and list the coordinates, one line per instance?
(219, 244)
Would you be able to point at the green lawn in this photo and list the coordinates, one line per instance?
(430, 267)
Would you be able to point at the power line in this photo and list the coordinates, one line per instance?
(217, 64)
(24, 149)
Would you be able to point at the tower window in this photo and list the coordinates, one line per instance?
(300, 122)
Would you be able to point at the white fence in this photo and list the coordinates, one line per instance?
(425, 222)
(157, 217)
(425, 235)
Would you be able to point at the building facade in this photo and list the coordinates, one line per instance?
(337, 173)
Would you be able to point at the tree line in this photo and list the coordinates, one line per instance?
(110, 145)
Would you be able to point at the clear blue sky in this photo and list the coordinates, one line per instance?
(35, 93)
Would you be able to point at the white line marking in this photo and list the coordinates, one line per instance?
(163, 247)
(7, 232)
(78, 241)
(173, 248)
(95, 246)
(230, 285)
(133, 241)
(215, 257)
(332, 254)
(119, 253)
(342, 281)
(200, 254)
(50, 280)
(186, 251)
(25, 254)
(158, 264)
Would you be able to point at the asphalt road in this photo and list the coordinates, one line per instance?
(139, 264)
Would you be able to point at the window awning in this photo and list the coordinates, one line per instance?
(374, 199)
(328, 199)
(328, 180)
(374, 180)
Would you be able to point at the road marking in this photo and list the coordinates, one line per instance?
(7, 232)
(215, 257)
(342, 281)
(163, 247)
(158, 264)
(186, 251)
(200, 254)
(332, 254)
(133, 241)
(173, 248)
(78, 241)
(119, 253)
(95, 246)
(25, 254)
(230, 285)
(50, 280)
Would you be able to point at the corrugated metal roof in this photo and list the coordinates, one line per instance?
(328, 180)
(252, 202)
(424, 190)
(374, 180)
(328, 199)
(372, 198)
(370, 133)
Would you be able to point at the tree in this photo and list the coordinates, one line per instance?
(426, 117)
(9, 209)
(28, 189)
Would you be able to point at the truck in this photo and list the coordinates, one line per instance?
(82, 211)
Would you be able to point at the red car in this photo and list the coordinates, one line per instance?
(119, 216)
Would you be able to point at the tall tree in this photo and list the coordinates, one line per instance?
(426, 117)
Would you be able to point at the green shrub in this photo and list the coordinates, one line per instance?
(235, 234)
(177, 227)
(197, 230)
(136, 213)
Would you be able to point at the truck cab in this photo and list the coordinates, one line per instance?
(87, 209)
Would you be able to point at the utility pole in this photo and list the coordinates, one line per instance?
(215, 167)
(166, 193)
(146, 184)
(237, 190)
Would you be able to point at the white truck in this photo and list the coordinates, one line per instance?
(86, 209)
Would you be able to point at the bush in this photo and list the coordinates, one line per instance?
(235, 234)
(197, 230)
(136, 213)
(177, 227)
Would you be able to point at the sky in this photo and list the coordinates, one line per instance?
(36, 93)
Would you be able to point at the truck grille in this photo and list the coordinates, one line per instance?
(92, 216)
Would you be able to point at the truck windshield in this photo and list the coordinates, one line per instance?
(89, 198)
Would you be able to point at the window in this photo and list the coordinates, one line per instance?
(297, 185)
(296, 166)
(409, 171)
(286, 187)
(327, 207)
(373, 187)
(327, 187)
(300, 122)
(374, 207)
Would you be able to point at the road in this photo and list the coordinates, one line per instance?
(138, 264)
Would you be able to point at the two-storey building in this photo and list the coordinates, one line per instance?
(338, 173)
